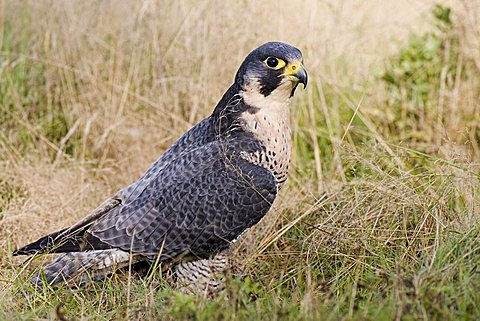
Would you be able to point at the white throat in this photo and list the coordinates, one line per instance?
(279, 98)
(270, 123)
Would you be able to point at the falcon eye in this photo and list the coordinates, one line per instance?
(272, 62)
(275, 63)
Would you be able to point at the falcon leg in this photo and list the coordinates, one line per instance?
(205, 277)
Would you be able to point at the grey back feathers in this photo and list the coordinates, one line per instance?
(218, 180)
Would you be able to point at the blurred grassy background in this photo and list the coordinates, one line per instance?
(380, 216)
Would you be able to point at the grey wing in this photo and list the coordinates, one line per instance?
(198, 204)
(199, 135)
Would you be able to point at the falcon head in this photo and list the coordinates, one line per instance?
(273, 72)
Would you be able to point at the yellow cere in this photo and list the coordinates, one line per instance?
(293, 68)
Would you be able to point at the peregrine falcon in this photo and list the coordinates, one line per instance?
(218, 180)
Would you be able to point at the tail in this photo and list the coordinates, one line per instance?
(40, 246)
(82, 267)
(57, 242)
(74, 238)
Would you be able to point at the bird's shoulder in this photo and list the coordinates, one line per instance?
(199, 135)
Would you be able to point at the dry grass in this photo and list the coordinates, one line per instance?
(379, 219)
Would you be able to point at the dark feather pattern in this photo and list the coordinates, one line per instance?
(198, 204)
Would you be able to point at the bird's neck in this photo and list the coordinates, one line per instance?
(269, 119)
(264, 118)
(270, 124)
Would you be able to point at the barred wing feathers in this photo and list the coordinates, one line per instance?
(197, 204)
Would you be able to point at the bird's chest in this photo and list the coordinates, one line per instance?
(273, 130)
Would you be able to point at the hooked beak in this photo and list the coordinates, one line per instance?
(297, 73)
(302, 76)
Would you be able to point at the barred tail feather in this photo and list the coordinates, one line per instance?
(82, 267)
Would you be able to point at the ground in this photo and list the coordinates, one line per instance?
(379, 219)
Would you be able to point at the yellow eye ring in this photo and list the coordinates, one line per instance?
(275, 63)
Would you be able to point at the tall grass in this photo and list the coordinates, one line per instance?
(379, 219)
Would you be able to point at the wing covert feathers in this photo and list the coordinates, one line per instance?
(198, 203)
